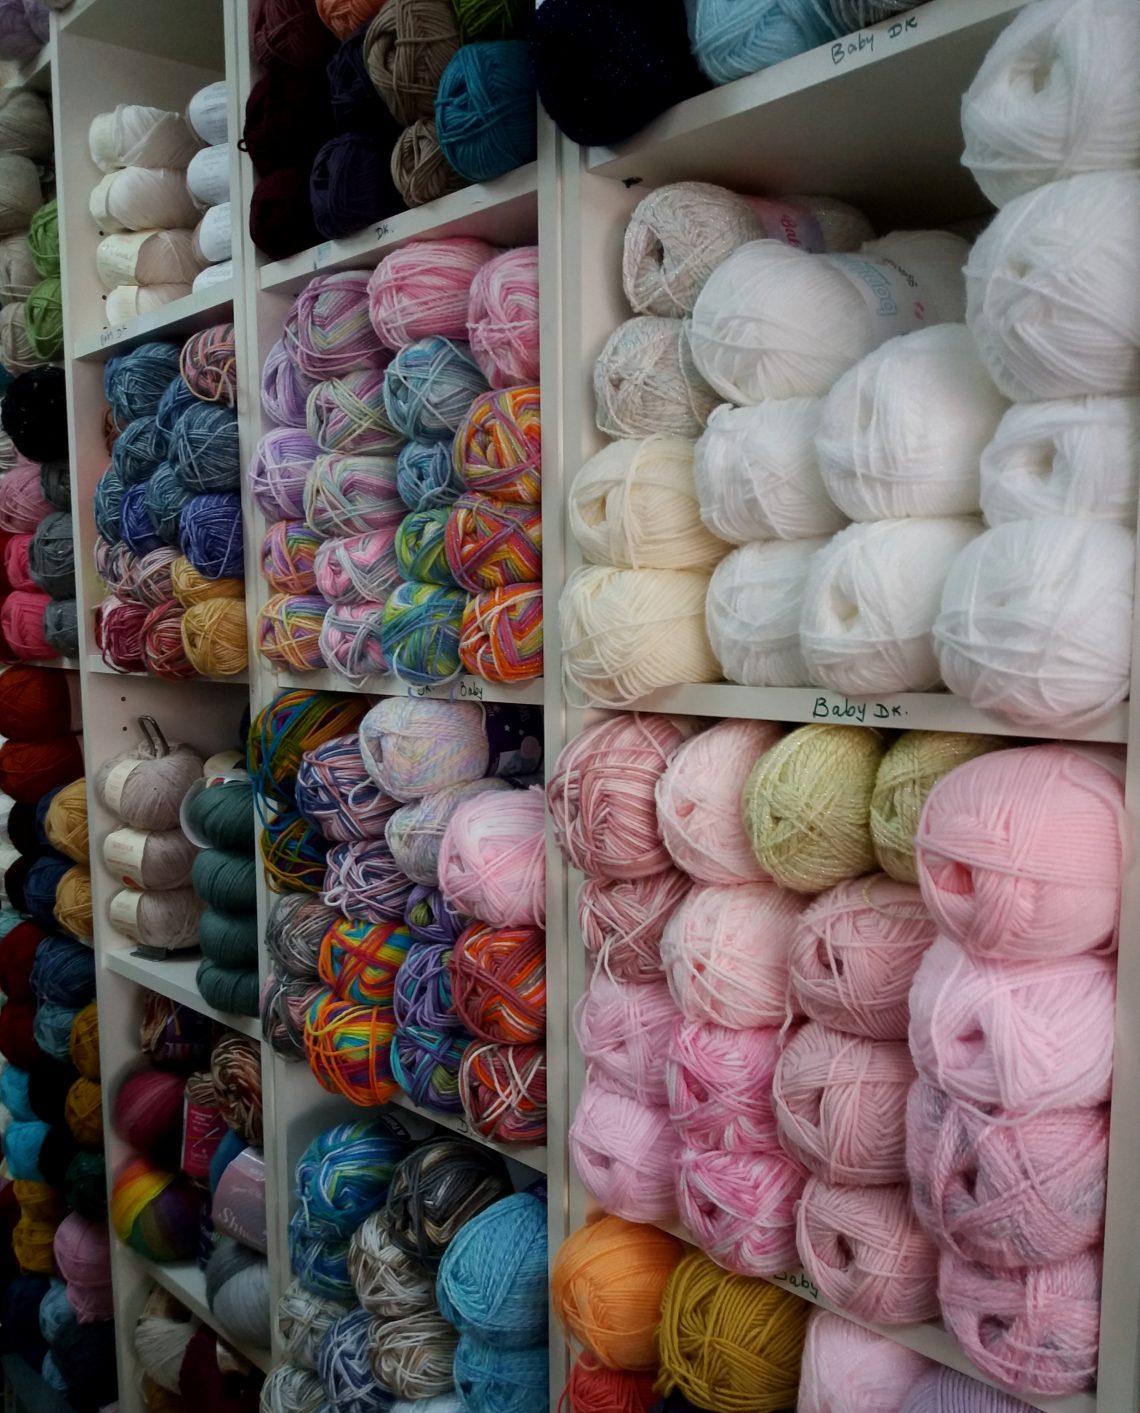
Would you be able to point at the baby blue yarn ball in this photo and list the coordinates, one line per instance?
(50, 1372)
(732, 38)
(426, 476)
(486, 109)
(492, 1279)
(204, 449)
(442, 1403)
(320, 1263)
(14, 1093)
(52, 1029)
(22, 1144)
(429, 387)
(55, 1311)
(344, 1366)
(165, 498)
(64, 972)
(343, 1176)
(491, 1379)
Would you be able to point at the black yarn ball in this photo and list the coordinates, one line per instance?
(56, 1152)
(85, 1186)
(48, 1083)
(281, 214)
(438, 1187)
(605, 68)
(356, 106)
(34, 414)
(85, 1356)
(15, 878)
(20, 1319)
(22, 828)
(351, 185)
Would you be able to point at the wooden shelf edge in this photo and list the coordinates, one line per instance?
(179, 317)
(530, 1155)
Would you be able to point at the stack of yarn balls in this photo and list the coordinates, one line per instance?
(168, 512)
(144, 208)
(184, 1364)
(24, 29)
(402, 482)
(208, 179)
(225, 879)
(31, 320)
(363, 110)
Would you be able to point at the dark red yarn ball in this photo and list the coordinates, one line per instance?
(17, 1040)
(288, 116)
(35, 703)
(291, 32)
(281, 215)
(17, 955)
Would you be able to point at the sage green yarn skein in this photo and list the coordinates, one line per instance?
(226, 880)
(43, 319)
(43, 239)
(230, 939)
(223, 814)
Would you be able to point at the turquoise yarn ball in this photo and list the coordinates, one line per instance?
(492, 1279)
(55, 1311)
(52, 1029)
(491, 1379)
(343, 1175)
(426, 476)
(732, 38)
(9, 918)
(429, 387)
(22, 1144)
(486, 109)
(14, 1093)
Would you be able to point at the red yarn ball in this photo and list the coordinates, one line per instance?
(290, 32)
(148, 1109)
(17, 953)
(595, 1389)
(35, 703)
(29, 769)
(22, 619)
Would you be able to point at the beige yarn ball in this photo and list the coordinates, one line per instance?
(16, 352)
(20, 195)
(645, 381)
(136, 135)
(18, 274)
(143, 199)
(147, 258)
(127, 302)
(753, 610)
(25, 124)
(420, 171)
(406, 49)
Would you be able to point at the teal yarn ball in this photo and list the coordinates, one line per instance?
(223, 814)
(343, 1175)
(204, 449)
(420, 632)
(429, 387)
(134, 384)
(491, 1379)
(731, 39)
(230, 939)
(227, 989)
(165, 498)
(226, 880)
(486, 109)
(22, 1144)
(14, 1093)
(138, 451)
(52, 1029)
(492, 1280)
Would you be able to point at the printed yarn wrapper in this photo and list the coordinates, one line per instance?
(288, 557)
(490, 544)
(351, 641)
(741, 1207)
(289, 631)
(626, 1153)
(425, 1064)
(425, 287)
(335, 793)
(278, 472)
(358, 569)
(422, 994)
(502, 318)
(350, 495)
(498, 983)
(645, 381)
(498, 449)
(865, 1250)
(362, 880)
(725, 953)
(359, 960)
(388, 1282)
(840, 1104)
(503, 1088)
(347, 1046)
(501, 636)
(1020, 854)
(284, 388)
(492, 862)
(1002, 1190)
(429, 387)
(845, 1365)
(1031, 1331)
(623, 1029)
(718, 1084)
(854, 954)
(419, 546)
(347, 414)
(415, 831)
(328, 332)
(1025, 1036)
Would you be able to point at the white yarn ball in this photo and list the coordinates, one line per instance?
(20, 195)
(208, 175)
(903, 431)
(1077, 457)
(126, 302)
(755, 601)
(634, 505)
(870, 602)
(207, 113)
(645, 381)
(142, 199)
(1056, 95)
(213, 275)
(626, 632)
(1053, 290)
(147, 258)
(757, 473)
(135, 135)
(775, 322)
(1036, 621)
(213, 235)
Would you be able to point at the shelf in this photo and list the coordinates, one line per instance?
(183, 30)
(35, 74)
(827, 121)
(174, 320)
(187, 1283)
(504, 212)
(530, 1155)
(465, 687)
(96, 664)
(175, 977)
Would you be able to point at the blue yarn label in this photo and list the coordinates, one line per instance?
(892, 294)
(514, 734)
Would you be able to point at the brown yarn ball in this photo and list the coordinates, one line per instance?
(83, 1112)
(66, 821)
(406, 49)
(84, 1048)
(73, 903)
(420, 171)
(236, 1069)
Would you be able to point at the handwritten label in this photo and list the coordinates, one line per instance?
(112, 335)
(470, 688)
(422, 690)
(796, 1280)
(862, 45)
(380, 230)
(844, 709)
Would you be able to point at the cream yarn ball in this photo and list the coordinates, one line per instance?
(16, 352)
(634, 505)
(755, 602)
(775, 322)
(1077, 457)
(1055, 95)
(126, 302)
(1036, 621)
(1053, 290)
(757, 473)
(18, 274)
(902, 432)
(136, 135)
(645, 381)
(627, 632)
(870, 600)
(25, 124)
(147, 258)
(20, 195)
(143, 199)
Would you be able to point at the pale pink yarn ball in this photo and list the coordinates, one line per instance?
(1019, 854)
(502, 318)
(622, 920)
(741, 1208)
(719, 1085)
(840, 1105)
(602, 794)
(865, 1250)
(1033, 1330)
(626, 1153)
(947, 1391)
(855, 953)
(698, 802)
(725, 952)
(624, 1029)
(1004, 1191)
(492, 861)
(847, 1369)
(424, 288)
(1021, 1035)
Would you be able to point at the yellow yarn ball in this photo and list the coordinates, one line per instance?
(907, 774)
(66, 821)
(38, 1201)
(83, 1112)
(190, 587)
(214, 637)
(85, 1041)
(807, 806)
(32, 1245)
(729, 1343)
(73, 903)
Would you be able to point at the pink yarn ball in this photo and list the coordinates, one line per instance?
(1021, 1035)
(622, 921)
(855, 953)
(82, 1251)
(943, 1390)
(841, 1105)
(22, 624)
(725, 952)
(1020, 853)
(865, 1250)
(502, 318)
(624, 1029)
(328, 332)
(360, 569)
(626, 1153)
(22, 504)
(17, 569)
(601, 795)
(492, 861)
(847, 1369)
(698, 802)
(1033, 1330)
(1003, 1191)
(719, 1085)
(351, 640)
(424, 288)
(741, 1207)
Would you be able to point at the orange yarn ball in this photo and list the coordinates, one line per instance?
(498, 982)
(345, 17)
(348, 1048)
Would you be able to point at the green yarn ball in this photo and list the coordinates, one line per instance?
(226, 880)
(230, 939)
(43, 319)
(493, 19)
(43, 239)
(223, 814)
(85, 1186)
(228, 990)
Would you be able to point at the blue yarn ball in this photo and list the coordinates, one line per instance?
(166, 498)
(55, 1311)
(223, 1155)
(14, 1093)
(344, 1366)
(136, 529)
(64, 972)
(43, 804)
(492, 1280)
(212, 535)
(138, 450)
(50, 1372)
(22, 1143)
(204, 449)
(109, 504)
(441, 1403)
(134, 384)
(176, 400)
(495, 1380)
(40, 888)
(343, 1175)
(20, 1318)
(426, 476)
(320, 1263)
(52, 1029)
(731, 38)
(429, 387)
(486, 110)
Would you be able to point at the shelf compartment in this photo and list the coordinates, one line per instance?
(182, 30)
(96, 664)
(175, 977)
(465, 688)
(187, 1283)
(178, 319)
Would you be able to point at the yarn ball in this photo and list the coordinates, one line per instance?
(431, 918)
(344, 1368)
(359, 959)
(415, 746)
(207, 364)
(502, 318)
(204, 450)
(210, 530)
(439, 1187)
(718, 1084)
(278, 471)
(626, 1154)
(351, 495)
(388, 1282)
(729, 43)
(420, 171)
(155, 1213)
(492, 861)
(33, 414)
(237, 1290)
(491, 1379)
(498, 449)
(290, 1389)
(425, 475)
(413, 1356)
(284, 389)
(336, 794)
(35, 704)
(645, 381)
(414, 833)
(501, 635)
(489, 543)
(419, 546)
(424, 288)
(351, 185)
(593, 1388)
(351, 640)
(22, 503)
(235, 1066)
(288, 631)
(847, 1366)
(302, 1321)
(144, 789)
(497, 982)
(429, 387)
(942, 1390)
(492, 1279)
(406, 50)
(347, 1046)
(148, 1109)
(622, 1029)
(485, 109)
(741, 1207)
(503, 1090)
(327, 332)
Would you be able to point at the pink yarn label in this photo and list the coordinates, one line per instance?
(793, 224)
(892, 294)
(238, 1207)
(203, 1129)
(514, 735)
(123, 854)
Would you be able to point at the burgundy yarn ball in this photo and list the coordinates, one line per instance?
(17, 954)
(290, 32)
(281, 213)
(148, 1109)
(287, 118)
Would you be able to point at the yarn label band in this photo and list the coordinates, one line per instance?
(892, 294)
(844, 709)
(123, 853)
(793, 224)
(116, 783)
(203, 1129)
(124, 913)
